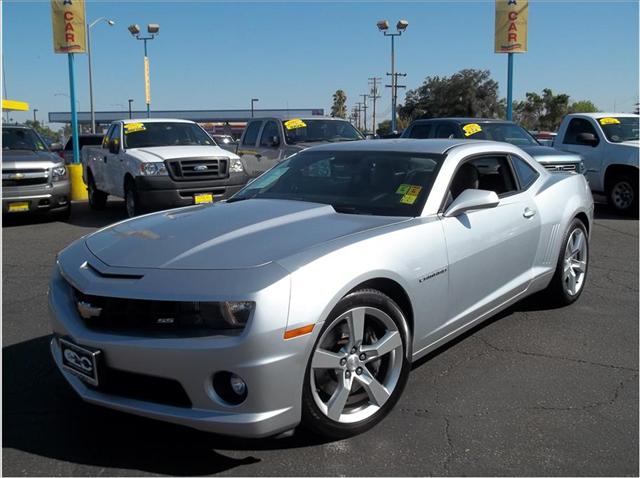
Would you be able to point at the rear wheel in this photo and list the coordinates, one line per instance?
(358, 367)
(97, 198)
(622, 193)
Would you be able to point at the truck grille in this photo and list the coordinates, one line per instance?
(561, 167)
(24, 177)
(199, 168)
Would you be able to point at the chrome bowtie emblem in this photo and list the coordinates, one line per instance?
(17, 176)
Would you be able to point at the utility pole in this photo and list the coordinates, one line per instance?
(130, 101)
(35, 110)
(359, 113)
(373, 82)
(394, 96)
(364, 109)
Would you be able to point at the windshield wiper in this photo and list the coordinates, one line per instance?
(347, 209)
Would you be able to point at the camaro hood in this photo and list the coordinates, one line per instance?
(234, 235)
(546, 154)
(160, 153)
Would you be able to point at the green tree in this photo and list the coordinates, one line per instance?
(468, 92)
(583, 106)
(556, 107)
(44, 131)
(339, 107)
(528, 112)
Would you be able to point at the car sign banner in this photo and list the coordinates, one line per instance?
(512, 18)
(69, 31)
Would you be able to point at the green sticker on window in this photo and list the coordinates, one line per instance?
(403, 188)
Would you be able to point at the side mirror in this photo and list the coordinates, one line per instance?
(588, 139)
(114, 146)
(56, 147)
(275, 141)
(470, 200)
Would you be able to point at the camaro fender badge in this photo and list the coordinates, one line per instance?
(432, 275)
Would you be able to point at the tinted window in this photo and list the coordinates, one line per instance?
(151, 134)
(505, 132)
(270, 130)
(420, 131)
(312, 130)
(526, 174)
(251, 134)
(577, 126)
(446, 130)
(21, 139)
(105, 140)
(620, 129)
(353, 182)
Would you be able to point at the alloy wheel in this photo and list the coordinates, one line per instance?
(575, 262)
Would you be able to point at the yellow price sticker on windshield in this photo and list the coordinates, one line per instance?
(471, 128)
(295, 124)
(133, 127)
(410, 194)
(606, 121)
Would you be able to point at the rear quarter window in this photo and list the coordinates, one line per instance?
(526, 174)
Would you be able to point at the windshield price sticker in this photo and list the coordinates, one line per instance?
(403, 188)
(133, 127)
(295, 124)
(606, 121)
(411, 194)
(471, 128)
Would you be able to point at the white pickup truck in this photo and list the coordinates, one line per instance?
(159, 164)
(608, 144)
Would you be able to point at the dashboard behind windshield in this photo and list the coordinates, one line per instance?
(146, 135)
(353, 182)
(306, 131)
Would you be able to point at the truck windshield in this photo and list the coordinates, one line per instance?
(505, 132)
(147, 135)
(308, 131)
(21, 139)
(353, 182)
(618, 130)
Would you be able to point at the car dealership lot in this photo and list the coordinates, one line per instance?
(535, 391)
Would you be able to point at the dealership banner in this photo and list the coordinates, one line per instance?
(69, 26)
(511, 26)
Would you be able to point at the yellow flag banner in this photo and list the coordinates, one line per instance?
(512, 18)
(147, 81)
(69, 26)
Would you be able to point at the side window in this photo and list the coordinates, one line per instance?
(445, 130)
(526, 174)
(251, 135)
(270, 130)
(107, 137)
(115, 134)
(420, 131)
(491, 173)
(577, 126)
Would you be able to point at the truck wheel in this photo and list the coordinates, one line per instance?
(97, 198)
(131, 201)
(622, 193)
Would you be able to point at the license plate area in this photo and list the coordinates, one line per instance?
(18, 207)
(203, 198)
(80, 361)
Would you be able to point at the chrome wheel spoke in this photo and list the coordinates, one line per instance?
(355, 320)
(577, 243)
(571, 282)
(377, 393)
(324, 359)
(578, 265)
(389, 342)
(338, 400)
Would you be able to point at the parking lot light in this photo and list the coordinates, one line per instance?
(134, 29)
(153, 29)
(401, 26)
(89, 27)
(383, 25)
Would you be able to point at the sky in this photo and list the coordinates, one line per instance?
(219, 55)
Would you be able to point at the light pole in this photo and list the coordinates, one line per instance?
(89, 27)
(253, 100)
(152, 29)
(130, 101)
(35, 120)
(401, 26)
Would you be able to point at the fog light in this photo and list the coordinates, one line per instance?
(238, 385)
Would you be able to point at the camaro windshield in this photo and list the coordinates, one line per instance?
(618, 130)
(21, 139)
(506, 132)
(308, 131)
(353, 182)
(145, 135)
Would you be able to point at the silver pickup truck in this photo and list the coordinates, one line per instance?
(33, 177)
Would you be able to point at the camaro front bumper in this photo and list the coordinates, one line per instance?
(272, 368)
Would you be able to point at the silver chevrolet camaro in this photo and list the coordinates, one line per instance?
(307, 296)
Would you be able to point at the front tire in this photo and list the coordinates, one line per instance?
(131, 201)
(573, 263)
(358, 367)
(622, 193)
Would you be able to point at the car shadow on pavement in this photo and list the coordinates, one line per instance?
(81, 216)
(43, 416)
(603, 211)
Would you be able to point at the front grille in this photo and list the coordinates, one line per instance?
(561, 167)
(142, 387)
(24, 177)
(199, 168)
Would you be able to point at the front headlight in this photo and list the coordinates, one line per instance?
(235, 166)
(582, 168)
(59, 173)
(236, 314)
(153, 169)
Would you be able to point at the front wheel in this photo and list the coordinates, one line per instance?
(358, 366)
(131, 202)
(622, 193)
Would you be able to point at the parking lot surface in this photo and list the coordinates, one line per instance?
(534, 391)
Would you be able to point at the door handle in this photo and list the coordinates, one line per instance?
(104, 159)
(258, 156)
(528, 212)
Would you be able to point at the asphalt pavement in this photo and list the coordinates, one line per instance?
(534, 391)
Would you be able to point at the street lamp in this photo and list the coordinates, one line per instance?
(253, 100)
(130, 101)
(152, 29)
(89, 27)
(401, 26)
(35, 110)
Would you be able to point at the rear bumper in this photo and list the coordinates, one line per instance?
(43, 197)
(164, 192)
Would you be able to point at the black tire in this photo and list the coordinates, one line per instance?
(312, 417)
(97, 198)
(622, 193)
(557, 292)
(131, 199)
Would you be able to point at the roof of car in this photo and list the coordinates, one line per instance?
(402, 145)
(303, 118)
(155, 120)
(604, 115)
(464, 120)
